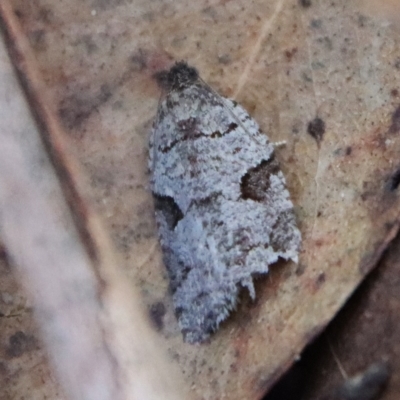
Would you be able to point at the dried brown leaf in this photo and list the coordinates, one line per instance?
(289, 63)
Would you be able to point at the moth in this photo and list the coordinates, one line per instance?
(223, 211)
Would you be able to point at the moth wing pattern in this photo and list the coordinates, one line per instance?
(223, 211)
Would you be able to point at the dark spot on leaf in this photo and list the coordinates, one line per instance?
(290, 53)
(348, 150)
(3, 254)
(3, 369)
(46, 15)
(321, 279)
(170, 210)
(256, 181)
(20, 343)
(300, 269)
(305, 3)
(37, 39)
(89, 44)
(316, 128)
(157, 312)
(103, 5)
(225, 59)
(362, 21)
(74, 110)
(316, 23)
(138, 60)
(19, 14)
(394, 93)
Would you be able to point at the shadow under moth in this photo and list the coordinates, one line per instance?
(222, 208)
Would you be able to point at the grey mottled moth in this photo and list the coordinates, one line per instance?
(222, 208)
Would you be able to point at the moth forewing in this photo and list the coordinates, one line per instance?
(222, 207)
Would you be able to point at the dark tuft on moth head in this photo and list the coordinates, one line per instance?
(179, 77)
(316, 128)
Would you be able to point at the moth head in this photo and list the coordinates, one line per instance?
(179, 77)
